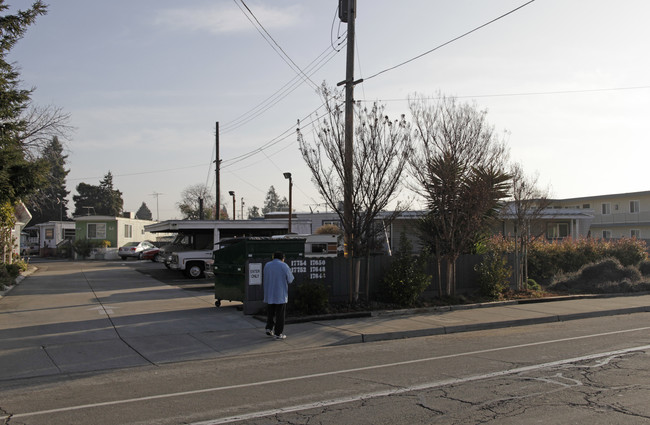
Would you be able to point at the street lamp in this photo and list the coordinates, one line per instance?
(288, 176)
(232, 193)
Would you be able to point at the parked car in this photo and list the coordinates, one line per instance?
(30, 249)
(152, 254)
(134, 249)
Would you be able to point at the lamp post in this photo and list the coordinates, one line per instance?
(288, 176)
(241, 205)
(232, 193)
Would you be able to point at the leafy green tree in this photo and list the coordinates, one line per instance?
(49, 202)
(98, 200)
(144, 213)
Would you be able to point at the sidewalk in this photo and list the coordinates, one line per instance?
(102, 316)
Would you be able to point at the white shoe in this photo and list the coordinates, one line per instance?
(269, 332)
(281, 336)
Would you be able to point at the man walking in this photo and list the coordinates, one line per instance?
(277, 277)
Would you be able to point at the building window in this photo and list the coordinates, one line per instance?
(336, 223)
(607, 234)
(635, 233)
(319, 248)
(557, 230)
(96, 231)
(606, 208)
(128, 231)
(635, 206)
(586, 206)
(49, 233)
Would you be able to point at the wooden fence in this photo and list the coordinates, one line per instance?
(334, 274)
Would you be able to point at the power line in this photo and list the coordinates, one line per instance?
(274, 44)
(315, 65)
(140, 173)
(450, 41)
(284, 135)
(538, 93)
(320, 61)
(290, 131)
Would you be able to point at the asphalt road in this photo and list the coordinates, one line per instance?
(592, 370)
(583, 371)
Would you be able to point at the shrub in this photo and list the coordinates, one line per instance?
(309, 298)
(5, 278)
(493, 275)
(629, 251)
(14, 269)
(406, 279)
(533, 286)
(644, 267)
(607, 275)
(548, 259)
(83, 247)
(328, 229)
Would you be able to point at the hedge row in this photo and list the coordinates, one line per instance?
(547, 259)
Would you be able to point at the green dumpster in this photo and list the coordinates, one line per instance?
(232, 254)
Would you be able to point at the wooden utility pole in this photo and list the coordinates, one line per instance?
(348, 170)
(217, 171)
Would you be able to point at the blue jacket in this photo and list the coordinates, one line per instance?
(276, 276)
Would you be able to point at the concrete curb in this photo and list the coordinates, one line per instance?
(387, 336)
(20, 278)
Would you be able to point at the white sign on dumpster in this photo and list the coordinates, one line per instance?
(255, 273)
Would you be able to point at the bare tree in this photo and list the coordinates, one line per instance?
(42, 124)
(525, 211)
(459, 166)
(191, 199)
(382, 147)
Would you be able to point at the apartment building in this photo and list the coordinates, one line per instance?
(620, 215)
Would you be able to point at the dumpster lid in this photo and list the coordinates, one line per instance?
(231, 241)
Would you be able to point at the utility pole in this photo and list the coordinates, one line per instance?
(156, 194)
(288, 176)
(347, 13)
(217, 172)
(242, 208)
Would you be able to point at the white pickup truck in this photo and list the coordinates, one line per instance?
(192, 263)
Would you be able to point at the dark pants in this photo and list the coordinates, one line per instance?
(275, 317)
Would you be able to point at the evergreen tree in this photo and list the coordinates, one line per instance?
(49, 203)
(144, 213)
(271, 201)
(283, 204)
(98, 200)
(111, 198)
(253, 212)
(19, 176)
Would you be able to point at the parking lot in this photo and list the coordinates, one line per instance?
(171, 277)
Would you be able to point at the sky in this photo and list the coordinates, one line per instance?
(565, 83)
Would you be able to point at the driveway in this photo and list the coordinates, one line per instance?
(83, 316)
